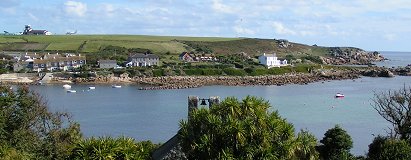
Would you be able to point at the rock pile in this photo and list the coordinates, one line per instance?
(182, 82)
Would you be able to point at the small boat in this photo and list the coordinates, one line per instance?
(71, 91)
(66, 86)
(116, 86)
(339, 95)
(91, 88)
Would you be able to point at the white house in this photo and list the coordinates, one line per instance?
(271, 60)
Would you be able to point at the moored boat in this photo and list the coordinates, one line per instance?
(91, 87)
(339, 95)
(66, 86)
(71, 91)
(116, 86)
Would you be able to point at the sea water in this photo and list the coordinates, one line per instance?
(155, 114)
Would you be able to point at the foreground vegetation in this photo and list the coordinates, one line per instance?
(233, 129)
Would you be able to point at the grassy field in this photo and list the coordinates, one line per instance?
(93, 43)
(161, 45)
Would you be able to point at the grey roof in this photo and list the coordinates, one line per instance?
(107, 61)
(141, 55)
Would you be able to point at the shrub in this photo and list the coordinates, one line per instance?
(336, 144)
(384, 148)
(193, 72)
(27, 127)
(212, 72)
(234, 72)
(112, 148)
(158, 72)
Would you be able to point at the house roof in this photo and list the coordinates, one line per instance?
(184, 53)
(141, 55)
(37, 32)
(60, 59)
(107, 61)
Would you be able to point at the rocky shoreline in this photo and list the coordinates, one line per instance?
(183, 82)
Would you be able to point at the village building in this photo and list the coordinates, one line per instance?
(271, 60)
(187, 57)
(50, 62)
(143, 60)
(29, 31)
(107, 63)
(191, 57)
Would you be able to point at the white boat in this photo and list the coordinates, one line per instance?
(116, 86)
(71, 91)
(339, 95)
(66, 86)
(91, 88)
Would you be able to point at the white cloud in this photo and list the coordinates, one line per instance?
(75, 8)
(281, 29)
(220, 7)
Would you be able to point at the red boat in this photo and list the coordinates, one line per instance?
(339, 95)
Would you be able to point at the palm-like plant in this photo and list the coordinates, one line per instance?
(242, 130)
(107, 148)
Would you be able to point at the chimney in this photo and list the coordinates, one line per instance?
(35, 53)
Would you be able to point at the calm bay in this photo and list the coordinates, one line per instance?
(155, 114)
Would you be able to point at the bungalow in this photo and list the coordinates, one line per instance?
(271, 60)
(107, 63)
(187, 57)
(191, 57)
(143, 59)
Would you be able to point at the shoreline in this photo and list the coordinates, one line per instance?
(184, 82)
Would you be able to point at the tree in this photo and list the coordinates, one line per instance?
(242, 130)
(395, 107)
(386, 148)
(29, 130)
(112, 148)
(336, 144)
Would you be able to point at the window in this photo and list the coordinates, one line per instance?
(81, 61)
(75, 61)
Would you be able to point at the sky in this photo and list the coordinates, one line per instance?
(373, 25)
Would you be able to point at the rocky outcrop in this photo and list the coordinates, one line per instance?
(402, 71)
(182, 82)
(349, 55)
(283, 43)
(377, 72)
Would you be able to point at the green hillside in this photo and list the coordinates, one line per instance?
(157, 44)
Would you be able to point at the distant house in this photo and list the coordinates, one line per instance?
(271, 60)
(18, 66)
(49, 62)
(29, 31)
(56, 62)
(107, 63)
(187, 57)
(143, 60)
(191, 57)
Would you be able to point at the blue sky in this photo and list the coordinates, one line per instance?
(369, 24)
